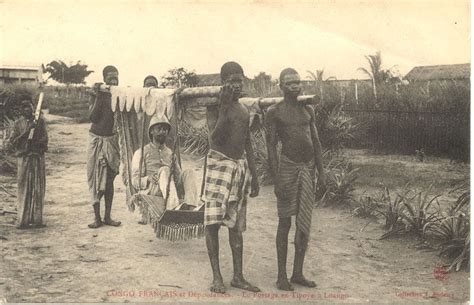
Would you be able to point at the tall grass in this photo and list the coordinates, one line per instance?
(71, 102)
(393, 123)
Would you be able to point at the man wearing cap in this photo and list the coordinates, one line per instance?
(157, 164)
(103, 156)
(230, 169)
(31, 168)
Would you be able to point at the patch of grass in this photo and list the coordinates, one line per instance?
(71, 107)
(396, 170)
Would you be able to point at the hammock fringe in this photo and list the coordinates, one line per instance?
(167, 231)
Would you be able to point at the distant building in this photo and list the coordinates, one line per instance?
(214, 79)
(20, 75)
(345, 83)
(205, 80)
(439, 73)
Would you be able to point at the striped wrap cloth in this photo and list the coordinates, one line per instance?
(298, 189)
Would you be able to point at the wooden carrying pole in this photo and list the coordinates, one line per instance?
(192, 97)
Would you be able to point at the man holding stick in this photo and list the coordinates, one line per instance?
(31, 167)
(228, 175)
(103, 155)
(293, 124)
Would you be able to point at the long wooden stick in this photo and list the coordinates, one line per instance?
(190, 97)
(126, 130)
(141, 153)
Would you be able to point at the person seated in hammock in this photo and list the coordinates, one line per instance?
(156, 167)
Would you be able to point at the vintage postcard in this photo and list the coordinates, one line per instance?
(294, 152)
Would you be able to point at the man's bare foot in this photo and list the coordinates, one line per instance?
(283, 284)
(111, 222)
(243, 284)
(96, 224)
(217, 286)
(38, 225)
(301, 280)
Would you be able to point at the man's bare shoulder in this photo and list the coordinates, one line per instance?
(274, 109)
(241, 111)
(243, 108)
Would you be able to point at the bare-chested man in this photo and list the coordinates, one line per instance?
(228, 175)
(103, 155)
(293, 124)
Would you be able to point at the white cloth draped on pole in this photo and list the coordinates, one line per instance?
(152, 101)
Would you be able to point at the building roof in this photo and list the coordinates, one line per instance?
(209, 79)
(212, 79)
(440, 72)
(19, 67)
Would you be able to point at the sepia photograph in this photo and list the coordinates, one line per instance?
(244, 152)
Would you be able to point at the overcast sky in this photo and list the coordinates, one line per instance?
(150, 37)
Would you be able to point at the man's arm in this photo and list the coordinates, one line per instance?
(96, 109)
(318, 151)
(136, 175)
(253, 169)
(220, 132)
(43, 132)
(272, 141)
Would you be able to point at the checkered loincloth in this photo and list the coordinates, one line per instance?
(226, 191)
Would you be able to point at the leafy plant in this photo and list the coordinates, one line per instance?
(193, 140)
(9, 95)
(453, 230)
(61, 72)
(340, 180)
(367, 206)
(393, 211)
(179, 77)
(335, 128)
(416, 213)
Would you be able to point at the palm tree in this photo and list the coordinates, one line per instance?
(375, 73)
(319, 79)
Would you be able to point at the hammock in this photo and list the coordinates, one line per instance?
(133, 109)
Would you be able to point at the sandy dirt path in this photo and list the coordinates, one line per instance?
(67, 262)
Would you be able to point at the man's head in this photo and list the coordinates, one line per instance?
(159, 129)
(26, 105)
(150, 82)
(232, 74)
(290, 82)
(110, 74)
